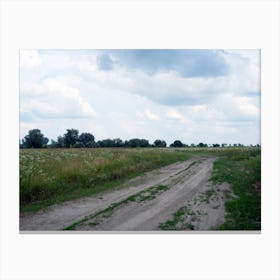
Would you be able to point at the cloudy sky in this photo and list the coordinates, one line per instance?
(209, 96)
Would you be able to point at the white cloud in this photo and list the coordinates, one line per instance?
(70, 94)
(238, 107)
(174, 115)
(206, 112)
(170, 88)
(54, 99)
(246, 106)
(150, 115)
(245, 71)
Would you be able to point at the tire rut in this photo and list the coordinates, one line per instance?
(148, 215)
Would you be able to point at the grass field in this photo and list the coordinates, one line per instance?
(49, 176)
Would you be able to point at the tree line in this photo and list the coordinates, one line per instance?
(72, 139)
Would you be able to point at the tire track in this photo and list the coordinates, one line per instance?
(182, 187)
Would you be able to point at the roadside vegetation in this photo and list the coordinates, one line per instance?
(49, 176)
(242, 170)
(178, 221)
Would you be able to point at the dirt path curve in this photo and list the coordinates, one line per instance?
(182, 182)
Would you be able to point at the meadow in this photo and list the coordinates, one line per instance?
(49, 176)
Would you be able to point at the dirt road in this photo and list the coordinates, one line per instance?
(175, 197)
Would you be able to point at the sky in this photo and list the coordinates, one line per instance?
(192, 95)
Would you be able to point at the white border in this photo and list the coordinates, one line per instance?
(156, 24)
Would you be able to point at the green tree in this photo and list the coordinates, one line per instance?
(34, 139)
(177, 143)
(71, 137)
(87, 140)
(160, 143)
(144, 143)
(53, 144)
(201, 145)
(106, 143)
(135, 142)
(60, 142)
(118, 142)
(79, 145)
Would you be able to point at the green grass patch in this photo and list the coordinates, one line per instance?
(242, 170)
(178, 220)
(206, 196)
(184, 170)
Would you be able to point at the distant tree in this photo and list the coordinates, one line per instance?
(117, 142)
(144, 143)
(177, 143)
(34, 139)
(97, 144)
(126, 143)
(216, 145)
(160, 143)
(60, 142)
(87, 140)
(201, 145)
(71, 137)
(106, 143)
(57, 144)
(79, 145)
(135, 142)
(224, 145)
(53, 144)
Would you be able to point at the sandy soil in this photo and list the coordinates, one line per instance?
(186, 186)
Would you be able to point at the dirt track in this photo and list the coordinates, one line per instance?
(144, 203)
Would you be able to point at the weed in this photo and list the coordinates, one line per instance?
(178, 219)
(206, 196)
(192, 164)
(93, 224)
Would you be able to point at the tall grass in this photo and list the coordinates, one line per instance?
(51, 176)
